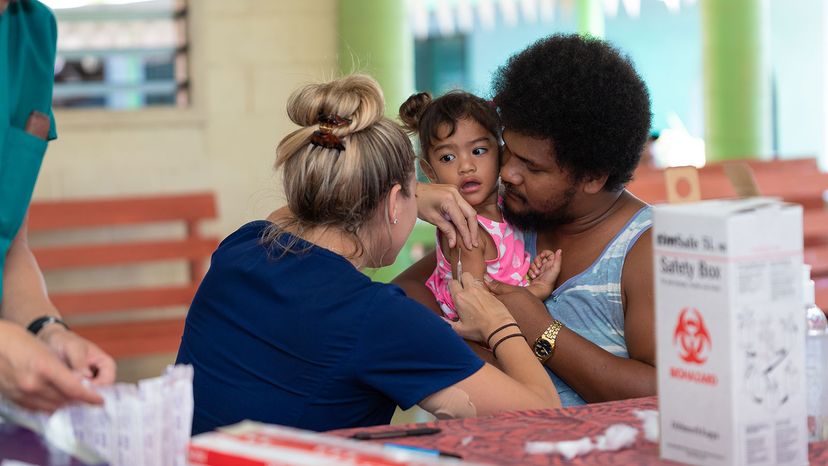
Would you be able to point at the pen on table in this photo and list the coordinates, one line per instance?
(427, 451)
(364, 435)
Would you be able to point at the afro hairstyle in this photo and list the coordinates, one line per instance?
(585, 97)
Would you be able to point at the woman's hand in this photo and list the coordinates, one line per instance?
(444, 207)
(79, 354)
(479, 310)
(530, 312)
(31, 375)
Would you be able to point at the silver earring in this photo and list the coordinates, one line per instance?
(395, 221)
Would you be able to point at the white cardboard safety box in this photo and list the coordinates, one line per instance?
(730, 332)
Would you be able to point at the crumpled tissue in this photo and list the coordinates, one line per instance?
(615, 437)
(649, 421)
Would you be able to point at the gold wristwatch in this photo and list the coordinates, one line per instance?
(545, 344)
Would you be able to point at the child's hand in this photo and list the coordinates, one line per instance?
(544, 272)
(541, 259)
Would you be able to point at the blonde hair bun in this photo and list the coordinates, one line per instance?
(341, 182)
(356, 97)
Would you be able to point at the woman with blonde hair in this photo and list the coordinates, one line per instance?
(285, 329)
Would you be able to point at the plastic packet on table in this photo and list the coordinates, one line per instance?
(144, 424)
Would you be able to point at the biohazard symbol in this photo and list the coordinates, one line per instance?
(692, 337)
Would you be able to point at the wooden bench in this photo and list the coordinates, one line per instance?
(142, 336)
(796, 180)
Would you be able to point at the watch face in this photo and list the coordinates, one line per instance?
(542, 348)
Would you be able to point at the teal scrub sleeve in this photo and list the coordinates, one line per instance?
(31, 30)
(28, 41)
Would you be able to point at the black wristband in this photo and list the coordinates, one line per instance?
(37, 325)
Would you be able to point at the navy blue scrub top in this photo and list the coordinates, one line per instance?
(306, 340)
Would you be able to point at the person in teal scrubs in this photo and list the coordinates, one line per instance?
(42, 362)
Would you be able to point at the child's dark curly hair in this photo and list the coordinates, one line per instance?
(585, 97)
(424, 116)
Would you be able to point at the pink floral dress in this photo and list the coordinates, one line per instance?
(510, 266)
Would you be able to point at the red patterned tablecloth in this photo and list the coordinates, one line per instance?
(500, 439)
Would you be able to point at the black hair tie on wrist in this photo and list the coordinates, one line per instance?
(489, 340)
(37, 325)
(494, 348)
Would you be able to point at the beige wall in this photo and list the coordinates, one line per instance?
(247, 56)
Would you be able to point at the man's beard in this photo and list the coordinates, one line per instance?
(556, 212)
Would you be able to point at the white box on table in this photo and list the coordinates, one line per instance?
(730, 332)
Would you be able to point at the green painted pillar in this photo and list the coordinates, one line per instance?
(591, 18)
(374, 39)
(736, 79)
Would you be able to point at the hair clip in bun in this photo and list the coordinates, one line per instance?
(331, 122)
(324, 137)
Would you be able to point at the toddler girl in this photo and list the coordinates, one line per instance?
(459, 137)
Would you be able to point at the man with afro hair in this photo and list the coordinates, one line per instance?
(576, 116)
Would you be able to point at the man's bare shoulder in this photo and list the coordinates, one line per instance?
(640, 254)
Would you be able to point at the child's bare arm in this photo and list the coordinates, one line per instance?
(544, 273)
(472, 260)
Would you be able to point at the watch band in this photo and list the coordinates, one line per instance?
(545, 344)
(37, 325)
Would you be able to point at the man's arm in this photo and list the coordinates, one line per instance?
(25, 299)
(637, 286)
(595, 374)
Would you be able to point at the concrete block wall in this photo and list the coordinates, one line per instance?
(247, 56)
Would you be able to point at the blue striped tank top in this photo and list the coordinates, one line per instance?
(589, 303)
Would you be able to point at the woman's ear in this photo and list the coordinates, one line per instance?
(393, 201)
(595, 185)
(425, 167)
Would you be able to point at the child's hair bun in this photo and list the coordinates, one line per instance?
(357, 98)
(412, 109)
